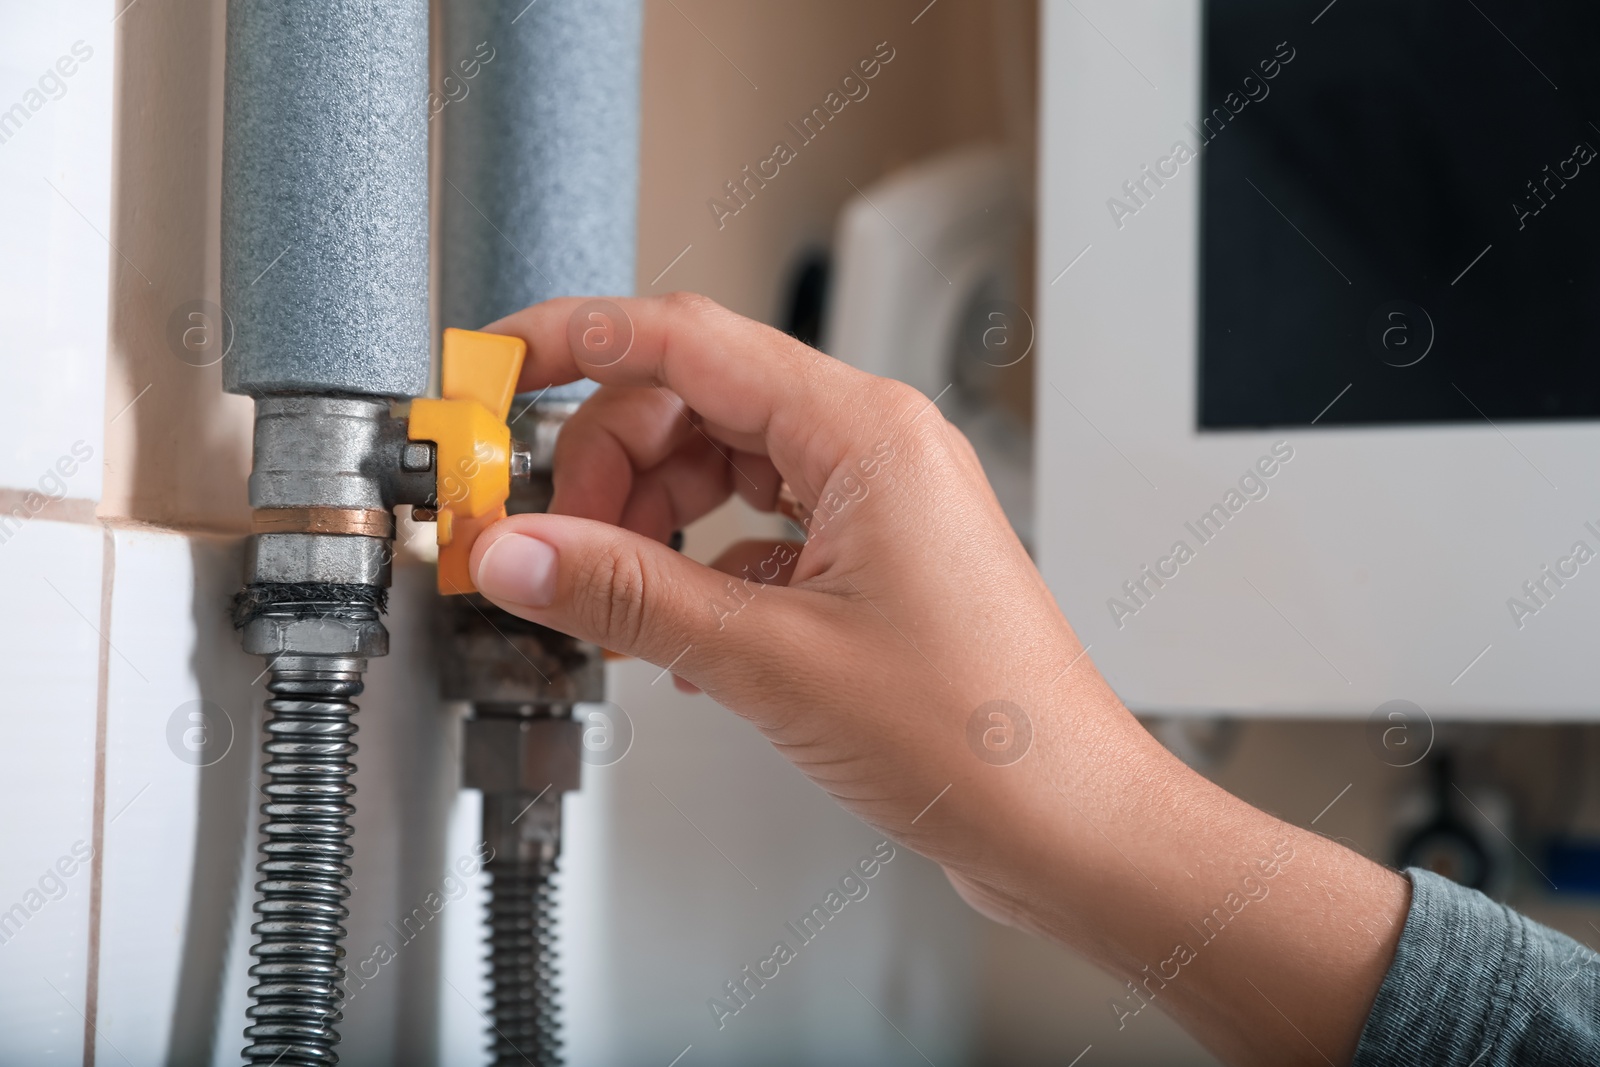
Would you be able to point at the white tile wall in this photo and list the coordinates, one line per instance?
(55, 210)
(181, 814)
(652, 919)
(49, 651)
(55, 163)
(179, 796)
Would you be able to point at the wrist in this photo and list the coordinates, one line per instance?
(1050, 840)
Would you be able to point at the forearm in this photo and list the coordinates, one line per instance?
(1266, 942)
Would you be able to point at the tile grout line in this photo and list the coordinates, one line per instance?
(91, 993)
(71, 509)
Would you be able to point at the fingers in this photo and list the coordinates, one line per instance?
(615, 433)
(767, 562)
(675, 493)
(624, 592)
(632, 451)
(760, 562)
(763, 389)
(692, 483)
(756, 479)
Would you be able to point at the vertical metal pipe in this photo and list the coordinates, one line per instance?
(325, 285)
(541, 153)
(305, 863)
(522, 949)
(539, 109)
(325, 197)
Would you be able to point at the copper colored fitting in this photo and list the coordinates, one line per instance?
(362, 523)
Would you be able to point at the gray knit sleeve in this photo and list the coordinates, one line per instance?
(1475, 984)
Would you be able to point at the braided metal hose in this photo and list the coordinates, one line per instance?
(523, 963)
(300, 961)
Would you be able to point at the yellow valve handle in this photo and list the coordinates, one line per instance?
(472, 462)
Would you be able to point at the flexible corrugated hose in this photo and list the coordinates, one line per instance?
(304, 868)
(522, 956)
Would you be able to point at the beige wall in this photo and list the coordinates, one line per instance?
(704, 120)
(964, 72)
(179, 456)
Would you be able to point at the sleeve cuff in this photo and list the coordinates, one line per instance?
(1452, 986)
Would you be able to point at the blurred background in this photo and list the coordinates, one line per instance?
(954, 224)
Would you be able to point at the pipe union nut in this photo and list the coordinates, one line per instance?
(269, 636)
(521, 755)
(338, 559)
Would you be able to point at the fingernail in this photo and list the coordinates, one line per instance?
(519, 569)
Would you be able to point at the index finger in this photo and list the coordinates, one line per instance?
(748, 378)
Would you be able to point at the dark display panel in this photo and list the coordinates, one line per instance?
(1403, 216)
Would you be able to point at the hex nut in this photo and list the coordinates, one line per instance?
(521, 755)
(508, 662)
(342, 559)
(268, 636)
(417, 456)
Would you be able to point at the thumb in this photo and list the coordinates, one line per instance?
(622, 591)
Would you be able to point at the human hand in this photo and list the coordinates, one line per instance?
(862, 654)
(873, 656)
